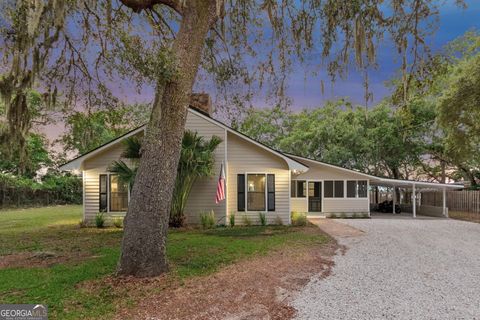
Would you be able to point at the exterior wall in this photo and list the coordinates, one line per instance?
(202, 197)
(93, 167)
(299, 204)
(347, 205)
(320, 172)
(245, 157)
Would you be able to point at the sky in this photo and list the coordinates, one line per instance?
(453, 23)
(306, 92)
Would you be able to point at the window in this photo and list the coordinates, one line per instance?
(103, 199)
(357, 189)
(328, 189)
(118, 194)
(260, 192)
(299, 189)
(362, 188)
(256, 192)
(351, 189)
(334, 189)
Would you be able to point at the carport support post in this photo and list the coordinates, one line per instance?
(414, 201)
(444, 199)
(394, 199)
(368, 196)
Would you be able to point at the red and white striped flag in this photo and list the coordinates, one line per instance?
(220, 186)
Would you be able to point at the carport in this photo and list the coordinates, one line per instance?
(410, 194)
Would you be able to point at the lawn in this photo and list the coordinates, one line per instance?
(75, 256)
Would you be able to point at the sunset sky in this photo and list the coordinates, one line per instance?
(306, 93)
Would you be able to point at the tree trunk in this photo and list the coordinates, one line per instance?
(146, 223)
(444, 175)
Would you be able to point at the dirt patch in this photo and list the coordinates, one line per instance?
(336, 229)
(36, 259)
(258, 288)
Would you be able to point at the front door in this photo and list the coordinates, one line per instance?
(314, 196)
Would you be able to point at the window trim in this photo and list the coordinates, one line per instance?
(266, 192)
(108, 174)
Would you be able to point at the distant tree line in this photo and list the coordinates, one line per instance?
(433, 133)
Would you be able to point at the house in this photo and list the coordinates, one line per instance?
(258, 179)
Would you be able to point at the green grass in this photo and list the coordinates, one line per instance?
(93, 254)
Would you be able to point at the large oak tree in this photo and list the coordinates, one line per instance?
(252, 42)
(296, 29)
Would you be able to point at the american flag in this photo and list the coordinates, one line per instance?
(220, 186)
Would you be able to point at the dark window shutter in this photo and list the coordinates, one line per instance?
(103, 188)
(241, 192)
(271, 191)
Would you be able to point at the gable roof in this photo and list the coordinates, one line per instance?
(76, 163)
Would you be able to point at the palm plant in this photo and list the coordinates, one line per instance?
(196, 161)
(126, 174)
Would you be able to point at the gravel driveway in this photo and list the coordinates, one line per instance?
(400, 269)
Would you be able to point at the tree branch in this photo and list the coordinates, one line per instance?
(139, 5)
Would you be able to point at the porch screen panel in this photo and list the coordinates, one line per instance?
(256, 192)
(241, 192)
(103, 193)
(362, 188)
(351, 189)
(118, 194)
(339, 189)
(328, 189)
(301, 188)
(271, 192)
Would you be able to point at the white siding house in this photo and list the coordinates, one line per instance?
(258, 179)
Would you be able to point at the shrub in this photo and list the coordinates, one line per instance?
(100, 220)
(278, 221)
(231, 219)
(299, 219)
(263, 218)
(207, 219)
(246, 221)
(118, 222)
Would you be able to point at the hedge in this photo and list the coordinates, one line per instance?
(53, 189)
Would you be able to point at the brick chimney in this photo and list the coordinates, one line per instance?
(201, 102)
